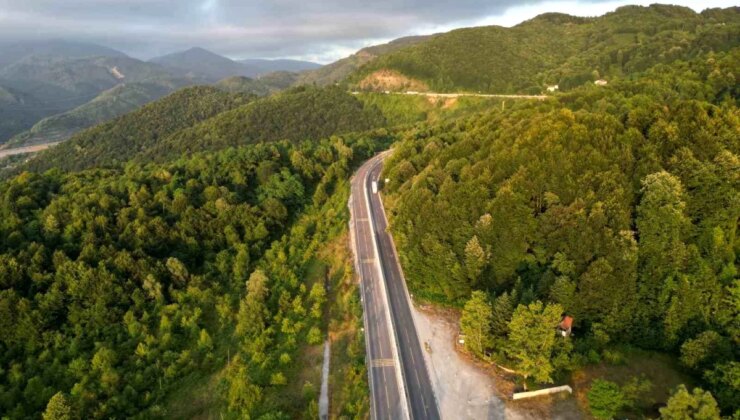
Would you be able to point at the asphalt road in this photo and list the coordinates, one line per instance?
(415, 390)
(385, 387)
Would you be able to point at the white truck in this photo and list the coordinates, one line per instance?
(375, 187)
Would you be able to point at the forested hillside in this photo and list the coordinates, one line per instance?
(340, 69)
(54, 82)
(617, 205)
(119, 140)
(264, 85)
(116, 284)
(187, 259)
(208, 119)
(558, 49)
(299, 114)
(112, 103)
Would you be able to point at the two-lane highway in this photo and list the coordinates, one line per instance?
(387, 399)
(384, 289)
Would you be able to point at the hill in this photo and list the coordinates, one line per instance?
(17, 51)
(208, 119)
(258, 67)
(203, 63)
(118, 140)
(264, 85)
(616, 205)
(339, 70)
(113, 102)
(200, 62)
(43, 86)
(553, 49)
(157, 279)
(18, 111)
(296, 115)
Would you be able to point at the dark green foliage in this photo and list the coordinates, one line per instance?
(619, 203)
(118, 141)
(111, 103)
(697, 405)
(296, 115)
(52, 83)
(115, 284)
(605, 399)
(561, 49)
(207, 119)
(265, 85)
(339, 70)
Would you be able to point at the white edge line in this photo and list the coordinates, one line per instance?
(394, 347)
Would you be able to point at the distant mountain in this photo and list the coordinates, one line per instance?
(13, 52)
(258, 67)
(111, 103)
(201, 63)
(42, 86)
(18, 111)
(552, 49)
(339, 70)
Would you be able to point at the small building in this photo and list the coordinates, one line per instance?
(565, 328)
(553, 88)
(601, 82)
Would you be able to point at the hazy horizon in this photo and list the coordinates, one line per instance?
(285, 29)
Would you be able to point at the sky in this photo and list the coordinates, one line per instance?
(316, 30)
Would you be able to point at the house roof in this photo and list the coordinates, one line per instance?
(566, 323)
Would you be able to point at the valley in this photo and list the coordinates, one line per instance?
(432, 227)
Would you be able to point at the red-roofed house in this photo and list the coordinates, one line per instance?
(566, 325)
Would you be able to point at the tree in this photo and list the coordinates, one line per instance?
(475, 323)
(605, 399)
(251, 317)
(58, 408)
(703, 350)
(661, 224)
(724, 381)
(563, 291)
(512, 230)
(475, 259)
(697, 405)
(243, 395)
(532, 339)
(503, 309)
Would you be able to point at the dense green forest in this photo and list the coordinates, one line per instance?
(298, 114)
(560, 49)
(113, 102)
(189, 258)
(117, 283)
(617, 205)
(208, 119)
(117, 141)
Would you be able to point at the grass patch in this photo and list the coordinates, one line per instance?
(348, 387)
(660, 369)
(197, 398)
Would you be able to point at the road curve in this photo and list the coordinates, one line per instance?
(387, 281)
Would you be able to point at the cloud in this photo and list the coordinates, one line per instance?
(323, 30)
